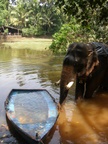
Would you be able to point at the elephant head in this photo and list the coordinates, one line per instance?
(77, 63)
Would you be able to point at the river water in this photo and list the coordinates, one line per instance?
(84, 122)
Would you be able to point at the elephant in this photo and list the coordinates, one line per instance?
(87, 66)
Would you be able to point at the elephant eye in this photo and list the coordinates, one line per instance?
(80, 67)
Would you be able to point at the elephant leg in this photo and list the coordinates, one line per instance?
(93, 83)
(79, 91)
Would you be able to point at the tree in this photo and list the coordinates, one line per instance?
(84, 10)
(4, 15)
(19, 14)
(92, 18)
(36, 17)
(91, 14)
(50, 17)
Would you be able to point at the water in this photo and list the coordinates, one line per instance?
(85, 122)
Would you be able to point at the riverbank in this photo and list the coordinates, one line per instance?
(19, 42)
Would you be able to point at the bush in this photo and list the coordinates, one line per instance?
(73, 32)
(32, 31)
(64, 37)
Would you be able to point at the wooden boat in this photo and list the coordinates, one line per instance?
(32, 112)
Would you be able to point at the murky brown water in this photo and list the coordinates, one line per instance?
(83, 123)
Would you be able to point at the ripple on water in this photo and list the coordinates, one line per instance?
(85, 122)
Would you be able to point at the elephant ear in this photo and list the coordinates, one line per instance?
(92, 59)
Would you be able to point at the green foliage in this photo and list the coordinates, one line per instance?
(66, 34)
(62, 38)
(32, 31)
(27, 32)
(73, 32)
(85, 10)
(44, 18)
(32, 16)
(3, 12)
(6, 31)
(93, 23)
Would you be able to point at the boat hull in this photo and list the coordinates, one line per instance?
(32, 112)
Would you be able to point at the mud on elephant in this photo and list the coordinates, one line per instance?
(87, 64)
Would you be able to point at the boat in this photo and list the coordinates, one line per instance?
(32, 113)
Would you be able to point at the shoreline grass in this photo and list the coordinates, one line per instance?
(39, 44)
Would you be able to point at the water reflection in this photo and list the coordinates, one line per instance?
(19, 70)
(83, 123)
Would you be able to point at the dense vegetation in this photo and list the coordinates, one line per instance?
(33, 17)
(66, 21)
(88, 22)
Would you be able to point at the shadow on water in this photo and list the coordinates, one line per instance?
(84, 122)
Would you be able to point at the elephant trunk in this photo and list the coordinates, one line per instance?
(66, 81)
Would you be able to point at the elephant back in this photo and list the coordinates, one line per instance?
(101, 49)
